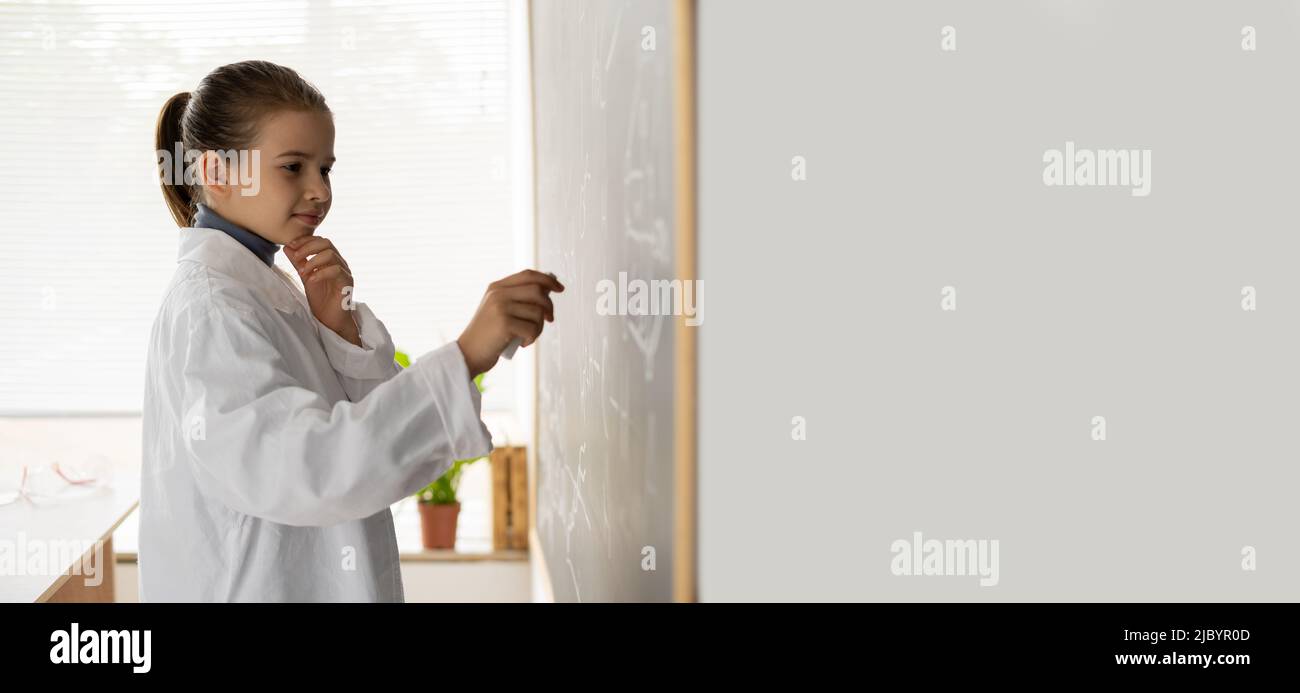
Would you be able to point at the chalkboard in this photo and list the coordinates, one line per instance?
(612, 497)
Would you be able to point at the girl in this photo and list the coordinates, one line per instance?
(277, 427)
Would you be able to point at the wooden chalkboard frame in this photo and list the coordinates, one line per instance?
(685, 341)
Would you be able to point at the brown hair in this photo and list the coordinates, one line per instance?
(223, 113)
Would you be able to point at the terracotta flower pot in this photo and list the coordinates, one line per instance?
(438, 524)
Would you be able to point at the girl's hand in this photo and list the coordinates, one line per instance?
(325, 275)
(517, 306)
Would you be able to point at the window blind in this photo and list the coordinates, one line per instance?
(423, 189)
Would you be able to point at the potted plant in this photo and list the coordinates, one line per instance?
(439, 507)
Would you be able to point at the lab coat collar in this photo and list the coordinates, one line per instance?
(216, 249)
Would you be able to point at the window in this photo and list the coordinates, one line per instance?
(429, 187)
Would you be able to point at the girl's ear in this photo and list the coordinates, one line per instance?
(214, 175)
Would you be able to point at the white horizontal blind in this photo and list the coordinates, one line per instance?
(422, 188)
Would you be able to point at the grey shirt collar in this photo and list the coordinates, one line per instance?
(264, 250)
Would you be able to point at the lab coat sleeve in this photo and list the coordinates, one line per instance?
(361, 368)
(269, 447)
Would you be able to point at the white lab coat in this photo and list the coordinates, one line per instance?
(273, 448)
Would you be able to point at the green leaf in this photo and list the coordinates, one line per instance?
(442, 491)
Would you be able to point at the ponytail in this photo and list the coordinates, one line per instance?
(180, 199)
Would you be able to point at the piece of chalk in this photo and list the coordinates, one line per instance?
(509, 353)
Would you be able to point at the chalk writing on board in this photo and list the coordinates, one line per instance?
(603, 116)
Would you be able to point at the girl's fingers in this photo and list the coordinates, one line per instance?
(323, 258)
(524, 330)
(527, 311)
(331, 272)
(529, 276)
(307, 248)
(321, 251)
(530, 293)
(297, 264)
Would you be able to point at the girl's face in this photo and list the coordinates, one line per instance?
(292, 193)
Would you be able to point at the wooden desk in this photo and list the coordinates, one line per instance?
(78, 517)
